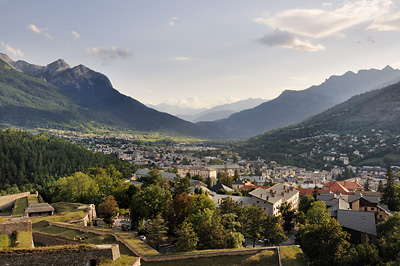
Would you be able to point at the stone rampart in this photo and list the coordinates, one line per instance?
(7, 228)
(7, 201)
(63, 255)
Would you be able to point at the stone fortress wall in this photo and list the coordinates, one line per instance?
(7, 201)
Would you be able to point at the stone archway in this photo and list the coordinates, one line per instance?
(91, 262)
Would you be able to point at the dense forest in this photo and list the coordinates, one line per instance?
(31, 162)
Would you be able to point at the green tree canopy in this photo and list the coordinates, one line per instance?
(321, 238)
(78, 187)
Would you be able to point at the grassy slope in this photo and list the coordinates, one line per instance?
(291, 256)
(6, 242)
(19, 206)
(121, 261)
(25, 239)
(32, 199)
(266, 257)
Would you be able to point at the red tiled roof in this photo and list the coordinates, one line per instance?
(310, 191)
(342, 187)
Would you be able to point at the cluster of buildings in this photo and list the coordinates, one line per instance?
(358, 211)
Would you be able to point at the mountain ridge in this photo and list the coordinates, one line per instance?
(90, 92)
(292, 107)
(367, 124)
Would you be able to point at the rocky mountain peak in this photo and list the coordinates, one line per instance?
(57, 66)
(6, 58)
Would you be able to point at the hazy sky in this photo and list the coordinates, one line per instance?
(201, 53)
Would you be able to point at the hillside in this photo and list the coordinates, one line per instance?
(30, 161)
(78, 98)
(292, 107)
(367, 124)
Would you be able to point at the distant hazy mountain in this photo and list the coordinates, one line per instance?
(370, 122)
(58, 96)
(175, 109)
(223, 111)
(292, 107)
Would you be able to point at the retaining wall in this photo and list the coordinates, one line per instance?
(49, 240)
(62, 255)
(7, 228)
(7, 201)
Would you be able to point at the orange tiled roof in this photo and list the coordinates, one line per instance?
(310, 191)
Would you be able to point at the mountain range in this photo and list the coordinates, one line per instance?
(293, 107)
(78, 98)
(215, 113)
(366, 124)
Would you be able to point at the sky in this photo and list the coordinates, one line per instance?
(205, 53)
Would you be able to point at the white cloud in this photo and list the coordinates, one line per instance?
(39, 31)
(396, 65)
(388, 23)
(189, 102)
(319, 23)
(286, 39)
(171, 22)
(75, 35)
(327, 4)
(182, 58)
(107, 55)
(11, 50)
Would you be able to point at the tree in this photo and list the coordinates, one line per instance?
(367, 186)
(381, 187)
(181, 205)
(228, 205)
(78, 187)
(224, 179)
(108, 209)
(389, 237)
(155, 178)
(390, 194)
(187, 240)
(157, 231)
(288, 215)
(363, 255)
(149, 202)
(305, 203)
(253, 219)
(236, 176)
(209, 182)
(321, 237)
(235, 158)
(182, 185)
(211, 234)
(201, 202)
(272, 232)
